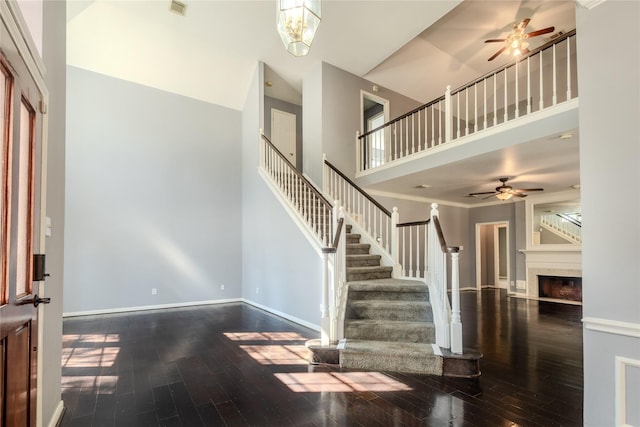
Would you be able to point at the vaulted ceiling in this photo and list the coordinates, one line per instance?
(416, 48)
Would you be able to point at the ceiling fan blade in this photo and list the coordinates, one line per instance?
(488, 197)
(483, 193)
(495, 40)
(540, 32)
(519, 194)
(528, 190)
(523, 24)
(495, 55)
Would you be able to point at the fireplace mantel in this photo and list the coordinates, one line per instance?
(561, 261)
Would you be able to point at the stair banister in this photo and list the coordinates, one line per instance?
(455, 323)
(333, 280)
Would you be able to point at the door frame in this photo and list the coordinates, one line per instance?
(478, 248)
(294, 152)
(16, 26)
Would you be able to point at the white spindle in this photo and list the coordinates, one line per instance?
(475, 107)
(568, 41)
(495, 99)
(466, 111)
(554, 98)
(541, 104)
(517, 94)
(433, 126)
(528, 85)
(506, 99)
(458, 114)
(484, 105)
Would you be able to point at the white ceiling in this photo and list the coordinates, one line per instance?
(416, 48)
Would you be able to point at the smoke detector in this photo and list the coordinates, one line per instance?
(177, 7)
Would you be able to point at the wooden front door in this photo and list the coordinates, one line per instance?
(20, 235)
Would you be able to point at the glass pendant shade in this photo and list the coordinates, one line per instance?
(298, 21)
(504, 196)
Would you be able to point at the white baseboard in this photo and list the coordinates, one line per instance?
(283, 315)
(57, 415)
(468, 288)
(612, 326)
(149, 307)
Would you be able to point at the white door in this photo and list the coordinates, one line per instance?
(283, 133)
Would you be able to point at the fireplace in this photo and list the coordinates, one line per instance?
(560, 287)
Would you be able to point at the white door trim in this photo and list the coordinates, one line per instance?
(478, 248)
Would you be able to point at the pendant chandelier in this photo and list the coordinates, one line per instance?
(298, 21)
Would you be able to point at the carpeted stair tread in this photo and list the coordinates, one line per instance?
(390, 330)
(397, 357)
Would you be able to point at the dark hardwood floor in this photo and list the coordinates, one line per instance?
(235, 365)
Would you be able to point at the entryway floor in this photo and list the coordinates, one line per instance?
(236, 365)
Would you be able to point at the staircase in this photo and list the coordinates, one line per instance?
(388, 322)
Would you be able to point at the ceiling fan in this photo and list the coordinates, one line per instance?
(505, 192)
(516, 42)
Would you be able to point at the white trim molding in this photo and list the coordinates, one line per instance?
(56, 419)
(283, 315)
(616, 327)
(149, 307)
(621, 388)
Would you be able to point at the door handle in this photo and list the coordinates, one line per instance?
(36, 301)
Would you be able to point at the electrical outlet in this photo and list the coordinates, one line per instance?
(154, 291)
(222, 287)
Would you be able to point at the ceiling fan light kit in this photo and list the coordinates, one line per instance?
(516, 44)
(505, 192)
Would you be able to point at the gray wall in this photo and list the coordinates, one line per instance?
(152, 197)
(54, 56)
(281, 269)
(270, 103)
(609, 152)
(514, 214)
(339, 116)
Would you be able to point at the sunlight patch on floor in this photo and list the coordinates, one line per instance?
(316, 382)
(264, 336)
(75, 357)
(277, 354)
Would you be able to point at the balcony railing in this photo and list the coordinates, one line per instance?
(543, 79)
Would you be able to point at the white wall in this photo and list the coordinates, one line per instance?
(282, 271)
(152, 197)
(609, 81)
(54, 57)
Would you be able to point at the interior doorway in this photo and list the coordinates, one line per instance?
(492, 255)
(374, 112)
(283, 133)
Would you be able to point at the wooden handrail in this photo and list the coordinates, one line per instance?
(409, 224)
(404, 116)
(360, 190)
(336, 239)
(519, 59)
(297, 173)
(443, 242)
(470, 84)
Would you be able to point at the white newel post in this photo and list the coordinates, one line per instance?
(325, 323)
(340, 274)
(395, 244)
(456, 321)
(448, 118)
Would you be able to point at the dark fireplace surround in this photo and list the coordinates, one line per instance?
(559, 287)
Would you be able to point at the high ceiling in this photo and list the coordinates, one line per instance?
(416, 48)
